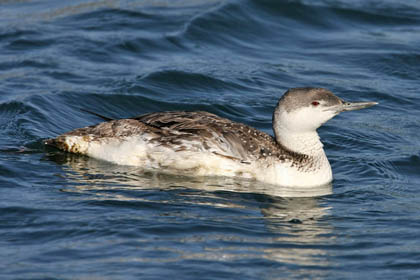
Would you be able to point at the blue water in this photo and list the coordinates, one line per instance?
(65, 216)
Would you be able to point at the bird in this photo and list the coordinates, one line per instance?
(199, 143)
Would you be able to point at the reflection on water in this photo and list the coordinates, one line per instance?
(302, 242)
(292, 230)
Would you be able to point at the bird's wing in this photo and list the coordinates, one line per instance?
(180, 131)
(219, 135)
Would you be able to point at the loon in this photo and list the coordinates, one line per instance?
(204, 144)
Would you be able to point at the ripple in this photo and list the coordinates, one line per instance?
(91, 219)
(192, 81)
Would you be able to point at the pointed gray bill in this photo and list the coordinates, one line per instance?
(350, 106)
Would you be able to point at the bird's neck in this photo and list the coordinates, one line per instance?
(307, 142)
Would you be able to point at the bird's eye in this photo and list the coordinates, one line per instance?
(315, 103)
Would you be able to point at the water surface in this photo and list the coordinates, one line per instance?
(70, 217)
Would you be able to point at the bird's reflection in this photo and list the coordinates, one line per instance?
(305, 233)
(293, 219)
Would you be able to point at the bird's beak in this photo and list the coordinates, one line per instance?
(351, 106)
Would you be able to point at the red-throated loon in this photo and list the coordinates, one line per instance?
(201, 143)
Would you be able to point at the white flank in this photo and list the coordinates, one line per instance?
(138, 151)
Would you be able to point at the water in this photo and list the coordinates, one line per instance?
(70, 217)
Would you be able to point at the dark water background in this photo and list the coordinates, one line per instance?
(70, 217)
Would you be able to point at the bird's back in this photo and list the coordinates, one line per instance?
(210, 132)
(179, 131)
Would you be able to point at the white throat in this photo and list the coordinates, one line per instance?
(307, 143)
(297, 131)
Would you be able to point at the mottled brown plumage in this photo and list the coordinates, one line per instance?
(207, 131)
